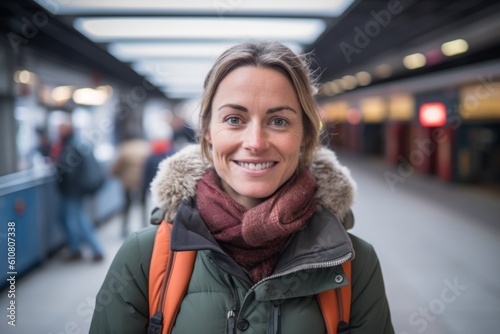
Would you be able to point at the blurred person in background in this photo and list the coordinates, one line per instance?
(160, 149)
(76, 169)
(40, 153)
(184, 134)
(43, 145)
(128, 168)
(265, 207)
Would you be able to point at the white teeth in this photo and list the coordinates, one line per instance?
(259, 166)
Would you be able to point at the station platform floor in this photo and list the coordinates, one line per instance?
(438, 245)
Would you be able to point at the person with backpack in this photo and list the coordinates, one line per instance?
(252, 220)
(128, 167)
(78, 174)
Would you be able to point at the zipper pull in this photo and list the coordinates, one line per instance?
(230, 322)
(276, 312)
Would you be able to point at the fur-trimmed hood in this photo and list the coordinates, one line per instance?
(179, 174)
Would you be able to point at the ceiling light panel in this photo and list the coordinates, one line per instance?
(174, 73)
(175, 68)
(111, 29)
(414, 61)
(182, 92)
(143, 50)
(131, 51)
(322, 8)
(455, 47)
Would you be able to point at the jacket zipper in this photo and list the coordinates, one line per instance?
(230, 322)
(338, 262)
(274, 321)
(231, 314)
(234, 291)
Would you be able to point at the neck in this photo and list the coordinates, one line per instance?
(247, 202)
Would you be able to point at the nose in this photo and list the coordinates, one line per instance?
(255, 138)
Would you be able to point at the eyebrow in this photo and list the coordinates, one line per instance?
(269, 111)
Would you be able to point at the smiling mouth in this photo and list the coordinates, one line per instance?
(256, 166)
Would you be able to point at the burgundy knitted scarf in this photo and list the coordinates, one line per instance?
(255, 238)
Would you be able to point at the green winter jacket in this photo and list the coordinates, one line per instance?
(220, 296)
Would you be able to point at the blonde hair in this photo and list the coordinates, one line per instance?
(268, 55)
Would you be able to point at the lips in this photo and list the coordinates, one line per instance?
(256, 166)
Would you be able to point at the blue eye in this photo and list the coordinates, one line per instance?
(279, 122)
(233, 120)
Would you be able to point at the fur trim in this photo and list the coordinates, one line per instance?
(176, 179)
(336, 188)
(178, 175)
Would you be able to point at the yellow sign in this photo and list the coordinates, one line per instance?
(401, 107)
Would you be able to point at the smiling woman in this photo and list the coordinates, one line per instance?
(265, 211)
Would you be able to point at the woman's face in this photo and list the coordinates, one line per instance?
(255, 132)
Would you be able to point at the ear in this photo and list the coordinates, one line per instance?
(208, 136)
(304, 142)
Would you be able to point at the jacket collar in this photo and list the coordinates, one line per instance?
(179, 174)
(324, 244)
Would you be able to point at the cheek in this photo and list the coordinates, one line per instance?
(219, 145)
(214, 138)
(294, 143)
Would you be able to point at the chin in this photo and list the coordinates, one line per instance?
(260, 194)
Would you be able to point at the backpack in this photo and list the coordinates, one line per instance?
(170, 273)
(92, 176)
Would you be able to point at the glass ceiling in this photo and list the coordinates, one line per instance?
(164, 42)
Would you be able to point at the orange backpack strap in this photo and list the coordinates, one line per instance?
(335, 305)
(169, 276)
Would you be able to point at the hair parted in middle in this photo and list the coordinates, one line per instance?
(275, 56)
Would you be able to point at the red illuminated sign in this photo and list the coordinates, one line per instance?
(432, 114)
(353, 116)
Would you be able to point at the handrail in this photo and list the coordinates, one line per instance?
(25, 179)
